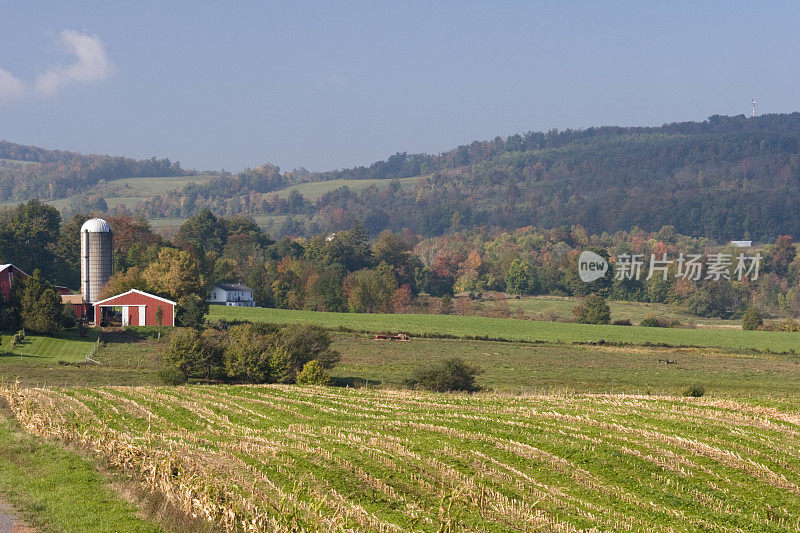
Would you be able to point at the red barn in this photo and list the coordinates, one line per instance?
(7, 274)
(139, 308)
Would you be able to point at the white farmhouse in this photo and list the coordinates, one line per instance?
(232, 294)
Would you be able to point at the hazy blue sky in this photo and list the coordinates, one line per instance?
(327, 85)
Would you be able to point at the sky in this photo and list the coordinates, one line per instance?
(326, 85)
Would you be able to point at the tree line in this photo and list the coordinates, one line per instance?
(349, 271)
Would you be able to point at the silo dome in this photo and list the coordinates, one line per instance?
(96, 225)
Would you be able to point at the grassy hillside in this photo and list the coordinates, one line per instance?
(320, 459)
(525, 330)
(313, 190)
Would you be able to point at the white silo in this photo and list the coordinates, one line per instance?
(97, 245)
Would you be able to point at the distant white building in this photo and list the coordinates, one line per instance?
(742, 244)
(232, 294)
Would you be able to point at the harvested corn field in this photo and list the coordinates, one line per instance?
(281, 457)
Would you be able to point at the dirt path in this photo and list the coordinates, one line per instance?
(9, 523)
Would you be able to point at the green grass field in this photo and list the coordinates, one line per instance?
(313, 190)
(16, 162)
(66, 346)
(284, 457)
(520, 330)
(516, 368)
(58, 490)
(125, 359)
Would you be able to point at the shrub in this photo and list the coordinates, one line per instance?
(650, 322)
(306, 343)
(593, 310)
(752, 319)
(313, 373)
(695, 391)
(622, 322)
(450, 375)
(659, 322)
(248, 356)
(172, 376)
(191, 354)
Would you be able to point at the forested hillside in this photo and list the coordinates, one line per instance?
(727, 177)
(29, 172)
(723, 178)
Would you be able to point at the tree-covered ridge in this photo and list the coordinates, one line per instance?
(726, 177)
(59, 173)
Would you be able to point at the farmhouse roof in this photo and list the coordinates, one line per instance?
(71, 299)
(135, 291)
(233, 287)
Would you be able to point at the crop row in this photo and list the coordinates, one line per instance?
(278, 457)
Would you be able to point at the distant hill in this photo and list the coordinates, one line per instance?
(28, 172)
(725, 177)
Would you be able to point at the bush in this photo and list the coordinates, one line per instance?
(752, 319)
(172, 376)
(787, 325)
(313, 373)
(254, 355)
(695, 391)
(306, 343)
(191, 354)
(593, 310)
(451, 375)
(659, 322)
(622, 322)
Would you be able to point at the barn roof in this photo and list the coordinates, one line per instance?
(7, 265)
(135, 291)
(232, 287)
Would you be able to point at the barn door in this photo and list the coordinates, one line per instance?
(125, 316)
(142, 315)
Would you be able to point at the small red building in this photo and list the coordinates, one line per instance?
(139, 308)
(7, 274)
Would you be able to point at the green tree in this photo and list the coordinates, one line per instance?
(593, 310)
(306, 343)
(313, 373)
(752, 319)
(176, 273)
(518, 277)
(192, 355)
(203, 232)
(191, 311)
(41, 309)
(249, 354)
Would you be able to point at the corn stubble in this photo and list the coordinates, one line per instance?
(277, 458)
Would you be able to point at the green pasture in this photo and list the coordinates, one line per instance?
(520, 330)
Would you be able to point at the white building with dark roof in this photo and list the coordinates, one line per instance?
(232, 294)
